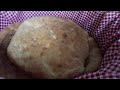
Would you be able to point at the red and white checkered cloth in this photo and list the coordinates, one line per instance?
(104, 26)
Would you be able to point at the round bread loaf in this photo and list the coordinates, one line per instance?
(51, 48)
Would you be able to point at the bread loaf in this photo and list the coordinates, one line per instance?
(53, 48)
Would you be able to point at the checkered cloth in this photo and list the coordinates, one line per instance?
(104, 26)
